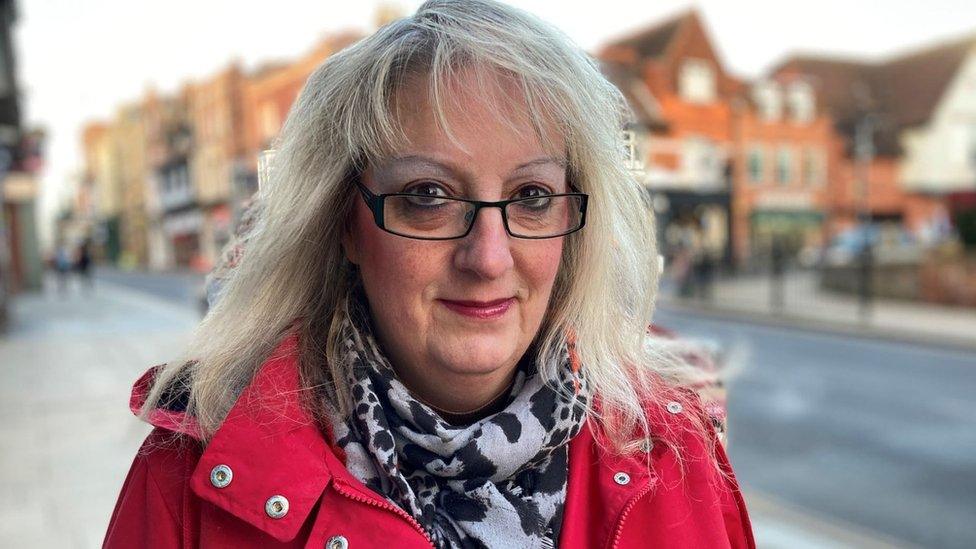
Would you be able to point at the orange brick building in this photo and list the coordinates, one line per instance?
(271, 90)
(902, 103)
(782, 161)
(682, 97)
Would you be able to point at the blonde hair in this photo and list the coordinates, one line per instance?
(294, 266)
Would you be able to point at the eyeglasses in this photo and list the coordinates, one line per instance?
(427, 217)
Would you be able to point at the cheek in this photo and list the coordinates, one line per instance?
(395, 270)
(540, 264)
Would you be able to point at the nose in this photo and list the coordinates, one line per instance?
(486, 251)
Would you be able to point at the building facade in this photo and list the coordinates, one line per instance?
(682, 98)
(781, 169)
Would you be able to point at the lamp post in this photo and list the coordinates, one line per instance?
(864, 154)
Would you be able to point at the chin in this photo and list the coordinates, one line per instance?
(479, 355)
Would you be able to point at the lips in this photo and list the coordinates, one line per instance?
(483, 310)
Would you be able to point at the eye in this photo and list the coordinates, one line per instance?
(428, 193)
(533, 196)
(532, 191)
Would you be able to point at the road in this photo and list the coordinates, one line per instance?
(877, 434)
(838, 441)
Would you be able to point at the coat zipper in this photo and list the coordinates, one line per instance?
(387, 506)
(623, 516)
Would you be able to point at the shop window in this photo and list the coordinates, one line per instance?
(696, 81)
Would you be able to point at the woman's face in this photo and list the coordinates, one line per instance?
(458, 311)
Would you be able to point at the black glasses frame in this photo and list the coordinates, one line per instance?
(375, 202)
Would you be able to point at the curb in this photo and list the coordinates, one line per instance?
(809, 324)
(781, 525)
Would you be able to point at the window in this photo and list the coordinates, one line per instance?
(801, 102)
(696, 82)
(701, 162)
(784, 165)
(813, 167)
(768, 99)
(631, 160)
(755, 164)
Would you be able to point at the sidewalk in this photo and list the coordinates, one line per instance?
(67, 439)
(806, 306)
(66, 369)
(778, 525)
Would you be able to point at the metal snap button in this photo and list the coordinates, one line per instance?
(276, 507)
(337, 542)
(675, 407)
(646, 446)
(621, 478)
(220, 476)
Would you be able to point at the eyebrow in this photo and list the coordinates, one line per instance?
(427, 162)
(560, 162)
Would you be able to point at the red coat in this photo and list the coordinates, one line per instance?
(273, 448)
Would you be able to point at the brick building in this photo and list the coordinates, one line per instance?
(101, 176)
(782, 157)
(919, 110)
(268, 97)
(129, 136)
(174, 219)
(217, 118)
(682, 97)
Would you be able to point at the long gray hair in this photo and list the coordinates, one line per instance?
(294, 275)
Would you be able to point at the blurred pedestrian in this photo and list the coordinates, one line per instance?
(62, 267)
(83, 265)
(423, 342)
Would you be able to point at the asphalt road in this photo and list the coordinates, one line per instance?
(182, 288)
(878, 434)
(875, 434)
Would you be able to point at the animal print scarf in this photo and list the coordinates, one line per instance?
(498, 483)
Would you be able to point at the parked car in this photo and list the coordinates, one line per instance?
(887, 242)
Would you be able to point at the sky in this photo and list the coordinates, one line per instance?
(79, 61)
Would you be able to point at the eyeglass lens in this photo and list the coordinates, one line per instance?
(438, 217)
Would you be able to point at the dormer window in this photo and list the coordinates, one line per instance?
(696, 81)
(768, 98)
(801, 102)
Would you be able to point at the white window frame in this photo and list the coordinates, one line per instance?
(768, 97)
(801, 102)
(697, 81)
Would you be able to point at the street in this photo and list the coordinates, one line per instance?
(837, 441)
(868, 432)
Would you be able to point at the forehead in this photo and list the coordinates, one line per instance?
(473, 114)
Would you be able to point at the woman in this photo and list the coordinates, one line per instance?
(422, 345)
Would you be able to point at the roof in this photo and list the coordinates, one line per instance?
(903, 91)
(654, 40)
(644, 106)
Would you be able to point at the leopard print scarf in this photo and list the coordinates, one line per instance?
(497, 483)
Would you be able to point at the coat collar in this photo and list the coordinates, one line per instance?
(270, 444)
(273, 447)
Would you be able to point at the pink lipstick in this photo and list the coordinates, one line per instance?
(483, 310)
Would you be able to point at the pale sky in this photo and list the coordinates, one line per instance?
(79, 61)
